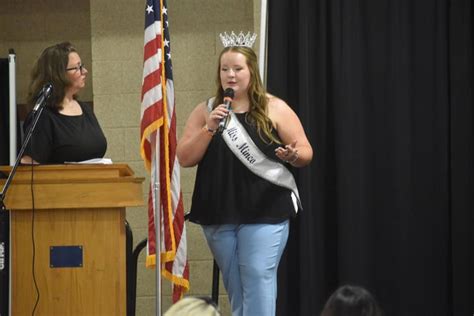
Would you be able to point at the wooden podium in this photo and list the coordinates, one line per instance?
(79, 238)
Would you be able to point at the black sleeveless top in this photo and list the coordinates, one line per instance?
(227, 192)
(60, 138)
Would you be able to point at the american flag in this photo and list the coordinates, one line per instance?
(158, 150)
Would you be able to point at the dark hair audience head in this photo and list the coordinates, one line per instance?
(349, 300)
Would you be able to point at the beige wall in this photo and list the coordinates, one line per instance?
(29, 26)
(109, 37)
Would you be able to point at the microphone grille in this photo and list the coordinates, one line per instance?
(48, 88)
(229, 93)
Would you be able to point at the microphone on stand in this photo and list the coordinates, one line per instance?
(228, 96)
(43, 96)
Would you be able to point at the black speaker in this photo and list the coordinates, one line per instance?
(4, 160)
(4, 261)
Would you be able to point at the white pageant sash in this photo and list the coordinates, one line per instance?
(242, 145)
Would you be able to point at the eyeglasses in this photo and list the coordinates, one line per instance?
(79, 67)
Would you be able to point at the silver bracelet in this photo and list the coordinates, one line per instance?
(208, 130)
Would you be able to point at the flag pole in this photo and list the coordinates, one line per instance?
(158, 191)
(157, 215)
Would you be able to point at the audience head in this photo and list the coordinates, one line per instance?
(193, 306)
(351, 300)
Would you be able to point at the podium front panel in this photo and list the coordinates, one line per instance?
(98, 287)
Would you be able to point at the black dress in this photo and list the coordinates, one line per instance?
(227, 192)
(60, 138)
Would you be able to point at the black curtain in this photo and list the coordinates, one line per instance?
(384, 89)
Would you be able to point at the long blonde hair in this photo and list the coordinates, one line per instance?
(258, 100)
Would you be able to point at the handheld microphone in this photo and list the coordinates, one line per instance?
(44, 95)
(228, 96)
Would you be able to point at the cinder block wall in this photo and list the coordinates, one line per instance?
(29, 26)
(109, 38)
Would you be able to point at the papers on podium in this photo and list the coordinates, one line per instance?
(95, 161)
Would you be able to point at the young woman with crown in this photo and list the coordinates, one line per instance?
(243, 141)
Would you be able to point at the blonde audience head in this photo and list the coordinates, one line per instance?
(193, 306)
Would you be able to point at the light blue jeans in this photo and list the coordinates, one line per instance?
(248, 256)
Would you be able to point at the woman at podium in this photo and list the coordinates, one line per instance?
(67, 129)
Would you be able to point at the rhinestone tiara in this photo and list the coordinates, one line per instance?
(242, 39)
